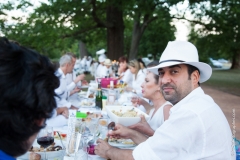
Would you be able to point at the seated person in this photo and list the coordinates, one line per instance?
(98, 73)
(196, 128)
(63, 91)
(27, 87)
(138, 77)
(106, 69)
(71, 77)
(159, 112)
(124, 73)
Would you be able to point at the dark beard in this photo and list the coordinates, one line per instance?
(174, 98)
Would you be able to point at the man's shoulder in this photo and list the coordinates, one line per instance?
(200, 104)
(59, 73)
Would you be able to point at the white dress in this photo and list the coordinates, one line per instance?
(157, 119)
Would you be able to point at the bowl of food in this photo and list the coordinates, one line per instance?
(125, 115)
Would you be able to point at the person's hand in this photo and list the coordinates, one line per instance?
(135, 101)
(84, 83)
(143, 127)
(120, 131)
(128, 89)
(73, 107)
(102, 148)
(63, 111)
(75, 90)
(79, 78)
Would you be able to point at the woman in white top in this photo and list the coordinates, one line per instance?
(124, 73)
(159, 111)
(138, 77)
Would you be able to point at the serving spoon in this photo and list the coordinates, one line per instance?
(61, 140)
(111, 126)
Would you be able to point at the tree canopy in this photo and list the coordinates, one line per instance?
(219, 35)
(54, 26)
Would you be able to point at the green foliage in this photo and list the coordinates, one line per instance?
(156, 37)
(220, 37)
(57, 26)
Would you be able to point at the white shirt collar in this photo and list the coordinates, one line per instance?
(197, 91)
(61, 73)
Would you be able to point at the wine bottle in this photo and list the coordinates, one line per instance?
(99, 96)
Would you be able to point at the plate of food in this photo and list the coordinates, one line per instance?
(82, 93)
(53, 152)
(121, 143)
(87, 103)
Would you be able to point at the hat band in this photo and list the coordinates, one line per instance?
(171, 60)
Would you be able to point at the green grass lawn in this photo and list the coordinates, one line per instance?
(225, 80)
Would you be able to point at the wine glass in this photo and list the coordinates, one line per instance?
(45, 138)
(93, 127)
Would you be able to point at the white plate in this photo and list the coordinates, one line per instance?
(85, 86)
(53, 155)
(124, 143)
(82, 93)
(90, 106)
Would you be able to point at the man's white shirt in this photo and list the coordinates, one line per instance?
(63, 91)
(196, 129)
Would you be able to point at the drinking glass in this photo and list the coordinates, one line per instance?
(93, 127)
(45, 138)
(74, 144)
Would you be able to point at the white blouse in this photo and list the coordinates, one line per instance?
(157, 119)
(127, 77)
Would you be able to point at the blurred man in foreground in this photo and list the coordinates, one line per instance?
(27, 87)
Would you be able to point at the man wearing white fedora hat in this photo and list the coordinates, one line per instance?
(196, 128)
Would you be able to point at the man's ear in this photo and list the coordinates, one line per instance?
(195, 77)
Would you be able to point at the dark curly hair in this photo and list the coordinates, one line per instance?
(27, 84)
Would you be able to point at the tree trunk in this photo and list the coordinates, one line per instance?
(82, 49)
(236, 60)
(138, 31)
(135, 40)
(115, 34)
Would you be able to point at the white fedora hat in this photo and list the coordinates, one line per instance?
(182, 52)
(107, 62)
